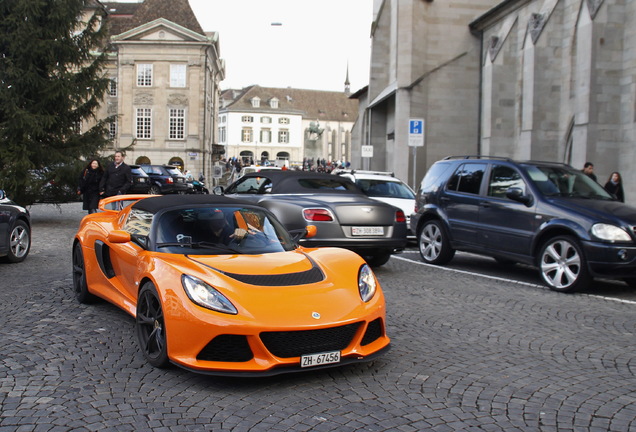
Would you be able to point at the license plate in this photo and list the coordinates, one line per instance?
(320, 359)
(365, 231)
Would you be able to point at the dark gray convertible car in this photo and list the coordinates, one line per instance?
(15, 230)
(343, 215)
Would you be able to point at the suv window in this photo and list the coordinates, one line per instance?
(431, 178)
(504, 177)
(467, 178)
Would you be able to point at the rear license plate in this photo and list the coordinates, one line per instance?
(365, 231)
(320, 359)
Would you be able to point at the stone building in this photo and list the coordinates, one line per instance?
(286, 125)
(165, 73)
(559, 83)
(541, 79)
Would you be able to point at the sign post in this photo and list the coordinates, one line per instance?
(366, 151)
(416, 139)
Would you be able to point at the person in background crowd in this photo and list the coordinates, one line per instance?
(588, 169)
(89, 181)
(614, 186)
(117, 178)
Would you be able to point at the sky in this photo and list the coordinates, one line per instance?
(309, 49)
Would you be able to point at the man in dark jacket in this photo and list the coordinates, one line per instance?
(117, 178)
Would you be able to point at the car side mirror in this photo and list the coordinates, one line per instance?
(2, 195)
(516, 194)
(311, 231)
(218, 190)
(118, 236)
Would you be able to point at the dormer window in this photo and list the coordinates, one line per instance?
(273, 103)
(256, 102)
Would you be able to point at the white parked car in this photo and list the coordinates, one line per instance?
(385, 187)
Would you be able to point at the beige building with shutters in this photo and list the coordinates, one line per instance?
(165, 73)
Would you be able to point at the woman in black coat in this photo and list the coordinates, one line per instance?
(89, 185)
(614, 186)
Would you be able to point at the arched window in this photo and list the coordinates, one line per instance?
(282, 155)
(145, 160)
(177, 161)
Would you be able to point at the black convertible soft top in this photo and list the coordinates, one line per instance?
(294, 182)
(160, 202)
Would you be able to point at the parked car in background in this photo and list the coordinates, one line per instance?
(141, 181)
(15, 230)
(218, 286)
(345, 216)
(385, 187)
(256, 168)
(545, 214)
(165, 179)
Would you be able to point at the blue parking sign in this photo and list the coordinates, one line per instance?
(416, 132)
(416, 127)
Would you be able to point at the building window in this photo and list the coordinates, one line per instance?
(222, 134)
(112, 130)
(283, 120)
(283, 136)
(256, 102)
(273, 103)
(266, 119)
(177, 75)
(144, 123)
(177, 123)
(112, 91)
(246, 134)
(247, 119)
(144, 75)
(266, 136)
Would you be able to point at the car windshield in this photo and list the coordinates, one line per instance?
(385, 189)
(220, 230)
(565, 181)
(174, 171)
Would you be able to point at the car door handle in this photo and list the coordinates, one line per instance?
(484, 204)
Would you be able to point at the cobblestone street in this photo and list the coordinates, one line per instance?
(468, 354)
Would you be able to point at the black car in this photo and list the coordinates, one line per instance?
(344, 216)
(15, 230)
(545, 214)
(165, 179)
(141, 181)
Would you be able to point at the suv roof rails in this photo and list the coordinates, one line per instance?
(478, 157)
(353, 171)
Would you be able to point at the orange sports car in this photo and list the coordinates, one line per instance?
(218, 286)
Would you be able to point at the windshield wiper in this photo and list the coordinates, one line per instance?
(200, 245)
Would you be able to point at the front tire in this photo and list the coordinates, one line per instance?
(19, 242)
(378, 259)
(434, 244)
(150, 327)
(80, 287)
(563, 265)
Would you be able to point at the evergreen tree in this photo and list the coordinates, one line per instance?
(51, 81)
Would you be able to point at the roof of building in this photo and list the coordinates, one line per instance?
(126, 16)
(313, 104)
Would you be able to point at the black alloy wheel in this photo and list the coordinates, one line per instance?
(80, 287)
(150, 327)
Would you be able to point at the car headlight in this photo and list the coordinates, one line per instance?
(610, 232)
(206, 296)
(367, 283)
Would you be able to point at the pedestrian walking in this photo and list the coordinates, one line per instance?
(588, 169)
(88, 186)
(614, 186)
(117, 178)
